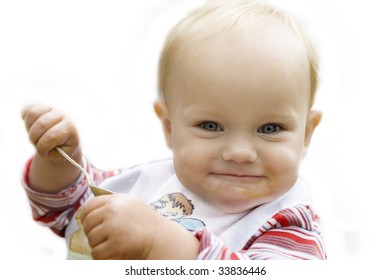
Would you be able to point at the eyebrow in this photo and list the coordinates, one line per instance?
(291, 114)
(285, 114)
(191, 110)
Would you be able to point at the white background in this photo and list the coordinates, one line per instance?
(96, 61)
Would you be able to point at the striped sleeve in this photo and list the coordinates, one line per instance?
(293, 233)
(56, 210)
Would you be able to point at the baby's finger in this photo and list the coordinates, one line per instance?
(27, 108)
(91, 205)
(96, 235)
(101, 251)
(31, 113)
(42, 124)
(60, 134)
(93, 220)
(93, 213)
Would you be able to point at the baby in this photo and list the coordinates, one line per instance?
(236, 87)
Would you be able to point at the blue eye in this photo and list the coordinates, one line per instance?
(269, 128)
(210, 126)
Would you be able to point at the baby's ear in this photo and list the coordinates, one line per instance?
(313, 120)
(161, 110)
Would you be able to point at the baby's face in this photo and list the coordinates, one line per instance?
(238, 119)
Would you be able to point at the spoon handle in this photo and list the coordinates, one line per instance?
(92, 185)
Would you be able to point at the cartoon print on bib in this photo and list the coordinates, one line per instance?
(176, 207)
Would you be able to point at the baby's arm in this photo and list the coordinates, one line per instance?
(125, 227)
(293, 233)
(48, 128)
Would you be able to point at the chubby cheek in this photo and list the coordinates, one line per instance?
(282, 165)
(191, 161)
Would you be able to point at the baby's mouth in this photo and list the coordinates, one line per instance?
(241, 177)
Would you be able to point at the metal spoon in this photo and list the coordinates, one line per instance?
(92, 185)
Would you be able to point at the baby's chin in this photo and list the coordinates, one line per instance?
(240, 200)
(236, 206)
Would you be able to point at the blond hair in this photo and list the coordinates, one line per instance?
(219, 17)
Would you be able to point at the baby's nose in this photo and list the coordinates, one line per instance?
(241, 151)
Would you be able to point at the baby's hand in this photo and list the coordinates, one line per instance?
(119, 227)
(125, 227)
(48, 128)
